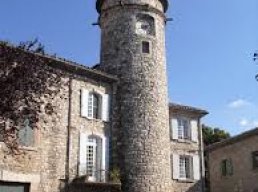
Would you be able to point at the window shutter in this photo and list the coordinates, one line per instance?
(84, 102)
(174, 128)
(175, 163)
(196, 167)
(103, 160)
(194, 130)
(100, 152)
(105, 107)
(82, 154)
(230, 167)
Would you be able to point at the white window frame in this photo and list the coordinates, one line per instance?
(100, 176)
(91, 105)
(184, 128)
(87, 107)
(180, 170)
(185, 167)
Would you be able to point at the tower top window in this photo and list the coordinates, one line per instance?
(145, 25)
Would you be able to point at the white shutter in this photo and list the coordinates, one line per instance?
(196, 167)
(103, 160)
(105, 107)
(194, 130)
(84, 102)
(174, 128)
(175, 166)
(82, 154)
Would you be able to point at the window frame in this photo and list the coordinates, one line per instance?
(94, 109)
(226, 166)
(146, 47)
(186, 168)
(184, 128)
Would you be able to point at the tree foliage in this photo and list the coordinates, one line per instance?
(27, 87)
(213, 135)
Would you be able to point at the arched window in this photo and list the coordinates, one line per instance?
(94, 106)
(145, 25)
(94, 158)
(26, 134)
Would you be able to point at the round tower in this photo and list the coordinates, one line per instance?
(133, 48)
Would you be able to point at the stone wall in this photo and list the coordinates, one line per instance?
(244, 178)
(188, 147)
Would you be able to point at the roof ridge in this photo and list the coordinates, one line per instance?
(233, 139)
(60, 59)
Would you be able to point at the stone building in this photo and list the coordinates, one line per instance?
(233, 164)
(75, 122)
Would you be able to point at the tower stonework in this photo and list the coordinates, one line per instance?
(133, 48)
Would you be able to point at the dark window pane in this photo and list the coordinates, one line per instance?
(145, 47)
(95, 106)
(255, 159)
(224, 167)
(2, 128)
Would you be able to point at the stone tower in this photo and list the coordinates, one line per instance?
(133, 48)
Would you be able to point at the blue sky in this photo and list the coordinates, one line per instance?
(210, 45)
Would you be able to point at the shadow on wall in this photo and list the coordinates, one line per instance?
(197, 187)
(79, 185)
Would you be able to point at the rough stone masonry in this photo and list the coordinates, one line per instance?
(133, 48)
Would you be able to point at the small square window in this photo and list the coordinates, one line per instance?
(255, 159)
(145, 47)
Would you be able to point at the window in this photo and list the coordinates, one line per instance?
(226, 167)
(184, 131)
(145, 47)
(93, 157)
(145, 25)
(255, 159)
(185, 167)
(26, 134)
(93, 106)
(2, 128)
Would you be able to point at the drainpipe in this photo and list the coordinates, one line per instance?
(68, 141)
(201, 153)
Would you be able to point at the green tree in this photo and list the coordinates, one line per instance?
(213, 135)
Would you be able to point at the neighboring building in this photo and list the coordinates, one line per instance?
(186, 147)
(233, 164)
(75, 121)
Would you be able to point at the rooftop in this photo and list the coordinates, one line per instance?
(233, 140)
(99, 3)
(175, 106)
(64, 64)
